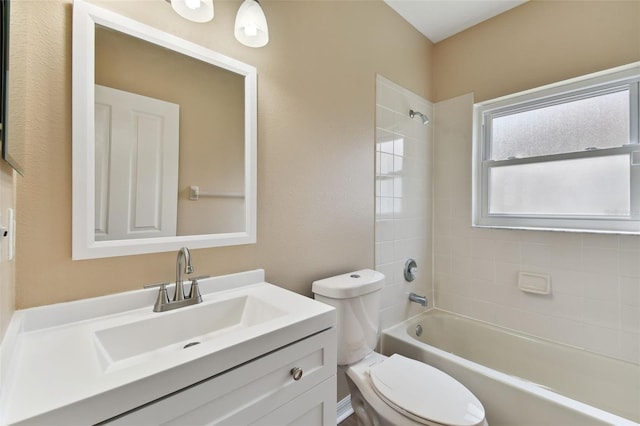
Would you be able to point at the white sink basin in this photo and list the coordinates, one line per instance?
(182, 329)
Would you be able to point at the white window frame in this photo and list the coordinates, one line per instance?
(627, 76)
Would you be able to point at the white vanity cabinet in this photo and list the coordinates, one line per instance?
(262, 391)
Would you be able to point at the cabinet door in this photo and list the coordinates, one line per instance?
(314, 407)
(246, 393)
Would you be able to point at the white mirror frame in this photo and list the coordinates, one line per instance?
(85, 246)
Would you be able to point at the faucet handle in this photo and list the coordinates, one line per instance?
(201, 277)
(194, 292)
(157, 285)
(163, 296)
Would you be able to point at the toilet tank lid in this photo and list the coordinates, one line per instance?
(351, 284)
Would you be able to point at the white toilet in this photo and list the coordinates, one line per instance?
(391, 390)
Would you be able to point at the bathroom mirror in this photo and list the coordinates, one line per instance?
(12, 147)
(164, 140)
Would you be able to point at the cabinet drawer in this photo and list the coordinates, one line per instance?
(314, 407)
(245, 393)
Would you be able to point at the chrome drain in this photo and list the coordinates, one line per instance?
(188, 345)
(418, 330)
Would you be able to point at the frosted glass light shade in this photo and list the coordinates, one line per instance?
(251, 25)
(194, 10)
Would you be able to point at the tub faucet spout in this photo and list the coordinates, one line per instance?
(418, 299)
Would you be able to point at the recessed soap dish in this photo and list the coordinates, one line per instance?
(534, 283)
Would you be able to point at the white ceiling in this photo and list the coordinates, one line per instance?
(439, 19)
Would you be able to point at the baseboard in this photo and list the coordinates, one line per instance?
(344, 408)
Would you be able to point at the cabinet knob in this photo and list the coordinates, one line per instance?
(296, 372)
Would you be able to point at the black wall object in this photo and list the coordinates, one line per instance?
(4, 63)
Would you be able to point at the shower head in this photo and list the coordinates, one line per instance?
(425, 119)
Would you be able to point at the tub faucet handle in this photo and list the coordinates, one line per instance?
(410, 270)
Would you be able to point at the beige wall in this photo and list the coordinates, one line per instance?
(538, 43)
(16, 133)
(316, 109)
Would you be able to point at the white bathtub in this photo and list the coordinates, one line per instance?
(522, 380)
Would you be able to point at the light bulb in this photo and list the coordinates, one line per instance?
(194, 10)
(192, 4)
(251, 30)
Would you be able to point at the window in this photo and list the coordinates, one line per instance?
(563, 157)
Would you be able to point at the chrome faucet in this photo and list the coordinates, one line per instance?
(183, 266)
(418, 299)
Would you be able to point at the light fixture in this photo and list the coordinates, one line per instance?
(194, 10)
(251, 25)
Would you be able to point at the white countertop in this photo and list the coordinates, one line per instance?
(53, 370)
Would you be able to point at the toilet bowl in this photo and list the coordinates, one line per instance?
(392, 390)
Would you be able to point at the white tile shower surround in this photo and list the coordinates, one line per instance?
(404, 159)
(595, 300)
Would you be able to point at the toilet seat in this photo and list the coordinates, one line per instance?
(424, 393)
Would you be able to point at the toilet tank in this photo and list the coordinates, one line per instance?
(356, 297)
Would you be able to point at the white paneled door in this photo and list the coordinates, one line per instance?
(136, 174)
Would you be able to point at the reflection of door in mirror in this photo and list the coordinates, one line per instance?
(136, 174)
(211, 125)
